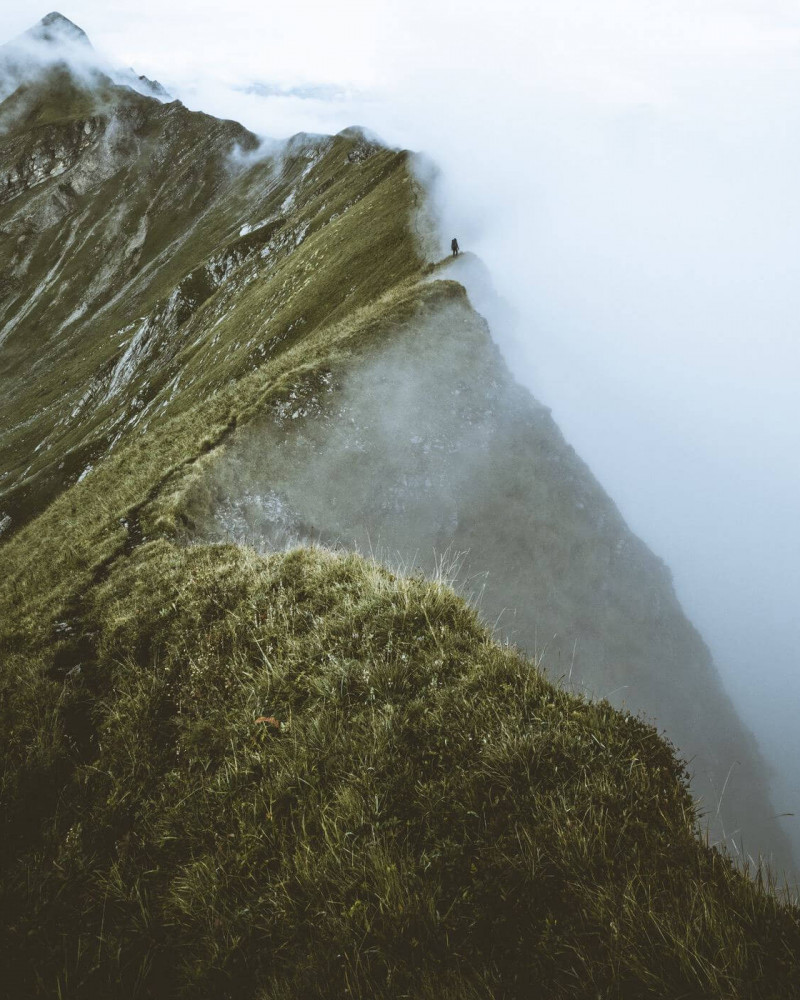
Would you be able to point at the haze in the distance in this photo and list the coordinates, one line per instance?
(628, 173)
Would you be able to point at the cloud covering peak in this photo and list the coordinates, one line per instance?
(54, 27)
(55, 41)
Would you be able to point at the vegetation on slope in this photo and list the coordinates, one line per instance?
(131, 230)
(430, 816)
(426, 444)
(305, 776)
(166, 285)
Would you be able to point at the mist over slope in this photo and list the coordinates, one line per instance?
(627, 171)
(149, 263)
(428, 450)
(205, 339)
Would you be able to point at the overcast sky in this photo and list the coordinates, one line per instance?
(628, 171)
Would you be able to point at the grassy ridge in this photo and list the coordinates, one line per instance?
(127, 267)
(432, 818)
(425, 814)
(51, 563)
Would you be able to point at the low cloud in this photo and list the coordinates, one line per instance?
(56, 42)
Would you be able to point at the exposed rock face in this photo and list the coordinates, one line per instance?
(156, 261)
(56, 151)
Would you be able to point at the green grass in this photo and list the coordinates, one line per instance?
(433, 817)
(155, 479)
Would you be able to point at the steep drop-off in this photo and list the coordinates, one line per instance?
(427, 449)
(206, 339)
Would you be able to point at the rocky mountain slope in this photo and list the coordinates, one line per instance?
(207, 339)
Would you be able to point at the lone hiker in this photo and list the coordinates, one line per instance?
(454, 246)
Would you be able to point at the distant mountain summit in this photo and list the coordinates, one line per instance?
(55, 28)
(55, 42)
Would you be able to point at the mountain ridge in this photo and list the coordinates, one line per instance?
(204, 268)
(201, 347)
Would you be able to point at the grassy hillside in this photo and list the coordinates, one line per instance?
(304, 776)
(300, 774)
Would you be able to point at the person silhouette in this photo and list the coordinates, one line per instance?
(454, 247)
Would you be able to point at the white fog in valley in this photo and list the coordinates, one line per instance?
(628, 173)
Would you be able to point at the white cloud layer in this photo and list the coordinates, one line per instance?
(628, 171)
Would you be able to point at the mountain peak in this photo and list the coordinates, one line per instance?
(54, 27)
(55, 41)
